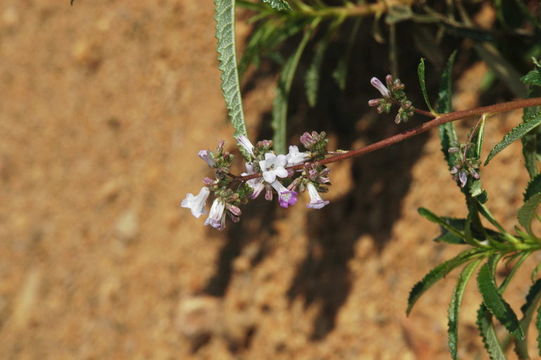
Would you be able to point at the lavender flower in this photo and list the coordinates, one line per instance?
(286, 197)
(273, 166)
(196, 203)
(316, 202)
(380, 87)
(207, 157)
(216, 217)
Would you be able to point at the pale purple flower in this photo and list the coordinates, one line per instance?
(380, 87)
(216, 217)
(463, 178)
(286, 197)
(256, 184)
(374, 102)
(307, 140)
(295, 157)
(316, 202)
(246, 144)
(273, 166)
(196, 203)
(207, 157)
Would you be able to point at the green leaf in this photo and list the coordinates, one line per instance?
(528, 212)
(225, 34)
(311, 80)
(532, 78)
(279, 5)
(444, 105)
(445, 223)
(528, 309)
(340, 73)
(488, 334)
(280, 104)
(534, 187)
(515, 134)
(454, 306)
(438, 273)
(494, 301)
(422, 83)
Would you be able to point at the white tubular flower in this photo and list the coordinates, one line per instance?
(216, 217)
(196, 203)
(316, 202)
(273, 166)
(245, 143)
(295, 157)
(256, 184)
(380, 87)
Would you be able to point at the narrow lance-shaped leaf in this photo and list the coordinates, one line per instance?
(447, 131)
(515, 134)
(528, 309)
(340, 73)
(534, 187)
(528, 212)
(438, 273)
(494, 301)
(488, 334)
(422, 83)
(311, 82)
(280, 104)
(280, 5)
(454, 306)
(225, 34)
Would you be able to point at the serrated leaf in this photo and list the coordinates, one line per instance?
(534, 187)
(447, 132)
(311, 80)
(438, 273)
(454, 306)
(488, 334)
(422, 83)
(340, 72)
(528, 212)
(532, 78)
(280, 104)
(494, 301)
(515, 134)
(279, 5)
(528, 309)
(225, 34)
(447, 225)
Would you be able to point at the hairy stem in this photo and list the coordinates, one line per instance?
(439, 120)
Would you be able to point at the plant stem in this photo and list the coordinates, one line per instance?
(439, 120)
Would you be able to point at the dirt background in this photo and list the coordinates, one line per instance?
(103, 107)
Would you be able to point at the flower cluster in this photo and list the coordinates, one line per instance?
(393, 94)
(464, 165)
(285, 175)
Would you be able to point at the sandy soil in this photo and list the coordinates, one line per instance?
(103, 108)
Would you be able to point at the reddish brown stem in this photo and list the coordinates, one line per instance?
(440, 120)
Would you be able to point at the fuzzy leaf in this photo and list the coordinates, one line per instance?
(454, 306)
(528, 212)
(447, 131)
(488, 334)
(280, 104)
(311, 81)
(528, 309)
(225, 34)
(515, 134)
(422, 83)
(494, 301)
(438, 273)
(279, 5)
(534, 187)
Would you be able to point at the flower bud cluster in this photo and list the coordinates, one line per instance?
(266, 172)
(393, 94)
(464, 165)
